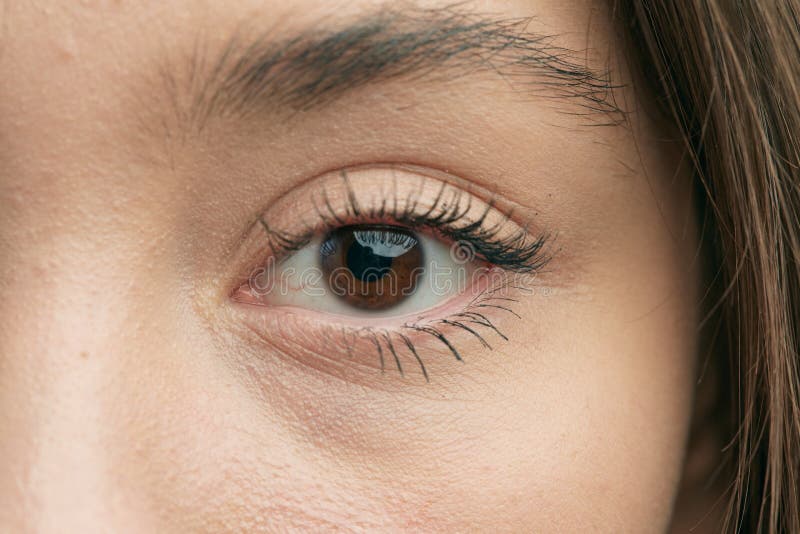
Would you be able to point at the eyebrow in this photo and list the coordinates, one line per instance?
(316, 67)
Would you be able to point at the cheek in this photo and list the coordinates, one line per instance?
(606, 442)
(573, 429)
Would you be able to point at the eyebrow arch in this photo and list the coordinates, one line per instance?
(317, 67)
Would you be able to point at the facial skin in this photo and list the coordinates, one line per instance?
(136, 395)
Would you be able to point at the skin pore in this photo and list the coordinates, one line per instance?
(140, 145)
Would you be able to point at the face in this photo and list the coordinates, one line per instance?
(341, 265)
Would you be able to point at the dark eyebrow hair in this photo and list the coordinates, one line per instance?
(315, 68)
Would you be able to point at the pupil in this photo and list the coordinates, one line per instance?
(365, 264)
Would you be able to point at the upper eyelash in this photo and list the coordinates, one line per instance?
(515, 252)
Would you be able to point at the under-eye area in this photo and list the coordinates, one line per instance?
(382, 267)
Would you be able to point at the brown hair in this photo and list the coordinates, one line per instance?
(727, 76)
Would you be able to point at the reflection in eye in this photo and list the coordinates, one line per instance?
(378, 260)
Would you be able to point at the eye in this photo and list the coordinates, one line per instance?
(385, 264)
(368, 270)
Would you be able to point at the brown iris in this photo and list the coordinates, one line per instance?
(371, 266)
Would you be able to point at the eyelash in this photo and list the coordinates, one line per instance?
(389, 342)
(515, 253)
(457, 321)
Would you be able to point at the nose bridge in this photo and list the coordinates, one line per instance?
(57, 378)
(72, 199)
(73, 250)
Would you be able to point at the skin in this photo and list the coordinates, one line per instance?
(131, 398)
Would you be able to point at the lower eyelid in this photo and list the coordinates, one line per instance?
(416, 350)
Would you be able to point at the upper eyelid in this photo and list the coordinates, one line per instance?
(417, 200)
(318, 197)
(292, 213)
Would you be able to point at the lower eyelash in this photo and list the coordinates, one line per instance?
(469, 320)
(337, 348)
